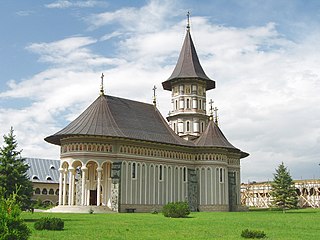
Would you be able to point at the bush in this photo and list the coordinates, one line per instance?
(176, 210)
(11, 225)
(49, 224)
(252, 234)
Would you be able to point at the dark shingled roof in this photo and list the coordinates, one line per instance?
(188, 66)
(118, 117)
(213, 137)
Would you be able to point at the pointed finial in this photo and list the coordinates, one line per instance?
(154, 95)
(188, 21)
(101, 86)
(216, 115)
(211, 110)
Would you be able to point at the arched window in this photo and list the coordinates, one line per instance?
(37, 191)
(51, 191)
(57, 192)
(44, 191)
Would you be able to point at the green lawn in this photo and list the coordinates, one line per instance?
(295, 224)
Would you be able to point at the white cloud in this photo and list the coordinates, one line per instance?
(149, 18)
(62, 4)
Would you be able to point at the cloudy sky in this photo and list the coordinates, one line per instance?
(263, 55)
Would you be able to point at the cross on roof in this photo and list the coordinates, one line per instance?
(101, 87)
(188, 20)
(211, 108)
(154, 94)
(216, 115)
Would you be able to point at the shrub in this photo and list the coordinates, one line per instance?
(49, 224)
(176, 210)
(11, 225)
(252, 234)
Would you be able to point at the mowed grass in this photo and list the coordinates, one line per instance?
(295, 224)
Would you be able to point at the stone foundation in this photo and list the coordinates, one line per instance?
(140, 208)
(214, 208)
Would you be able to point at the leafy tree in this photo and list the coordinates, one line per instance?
(13, 172)
(283, 190)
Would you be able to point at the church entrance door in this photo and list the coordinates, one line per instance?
(93, 197)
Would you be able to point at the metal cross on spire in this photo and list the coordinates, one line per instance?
(188, 21)
(216, 115)
(101, 87)
(154, 95)
(211, 109)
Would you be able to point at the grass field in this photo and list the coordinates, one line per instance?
(295, 224)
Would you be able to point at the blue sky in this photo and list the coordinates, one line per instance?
(264, 56)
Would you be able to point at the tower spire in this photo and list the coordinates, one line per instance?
(101, 86)
(154, 95)
(188, 21)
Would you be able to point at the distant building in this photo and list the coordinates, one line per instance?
(44, 176)
(129, 158)
(257, 194)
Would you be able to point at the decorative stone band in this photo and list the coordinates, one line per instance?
(86, 147)
(147, 152)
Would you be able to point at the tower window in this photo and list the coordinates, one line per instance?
(200, 104)
(181, 89)
(174, 127)
(188, 103)
(176, 104)
(202, 126)
(185, 174)
(188, 126)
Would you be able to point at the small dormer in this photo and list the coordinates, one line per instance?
(52, 167)
(48, 178)
(35, 177)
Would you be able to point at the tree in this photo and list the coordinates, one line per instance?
(283, 190)
(13, 172)
(11, 224)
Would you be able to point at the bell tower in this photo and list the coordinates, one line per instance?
(188, 84)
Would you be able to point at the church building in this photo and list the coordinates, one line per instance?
(123, 155)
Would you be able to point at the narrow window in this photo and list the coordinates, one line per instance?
(160, 173)
(184, 174)
(221, 175)
(188, 126)
(174, 127)
(188, 103)
(133, 171)
(200, 104)
(202, 127)
(176, 104)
